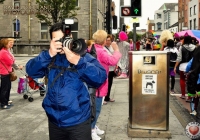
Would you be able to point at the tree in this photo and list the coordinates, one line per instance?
(1, 1)
(130, 35)
(57, 10)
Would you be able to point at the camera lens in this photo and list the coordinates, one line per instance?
(76, 46)
(67, 42)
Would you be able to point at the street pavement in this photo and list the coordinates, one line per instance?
(27, 120)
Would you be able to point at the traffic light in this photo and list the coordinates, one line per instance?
(114, 22)
(124, 27)
(136, 8)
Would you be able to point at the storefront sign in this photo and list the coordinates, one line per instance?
(25, 10)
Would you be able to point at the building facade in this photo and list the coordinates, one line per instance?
(193, 14)
(17, 19)
(165, 17)
(183, 14)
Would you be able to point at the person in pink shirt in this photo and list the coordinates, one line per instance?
(6, 62)
(105, 60)
(131, 45)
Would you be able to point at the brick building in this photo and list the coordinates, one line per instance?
(189, 17)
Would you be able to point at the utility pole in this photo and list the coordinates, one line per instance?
(121, 20)
(108, 17)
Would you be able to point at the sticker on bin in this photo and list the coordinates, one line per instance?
(149, 83)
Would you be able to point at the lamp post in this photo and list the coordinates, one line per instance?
(16, 33)
(178, 21)
(148, 22)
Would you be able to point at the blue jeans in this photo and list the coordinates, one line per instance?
(98, 110)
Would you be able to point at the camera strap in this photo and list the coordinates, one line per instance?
(63, 69)
(93, 51)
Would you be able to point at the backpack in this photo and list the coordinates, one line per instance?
(91, 90)
(173, 56)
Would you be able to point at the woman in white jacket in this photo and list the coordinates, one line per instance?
(174, 52)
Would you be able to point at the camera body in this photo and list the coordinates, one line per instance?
(77, 46)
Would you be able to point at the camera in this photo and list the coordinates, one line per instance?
(77, 46)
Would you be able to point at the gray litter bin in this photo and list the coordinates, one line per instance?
(148, 92)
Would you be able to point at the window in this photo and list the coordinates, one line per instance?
(194, 9)
(165, 16)
(159, 26)
(199, 24)
(158, 16)
(44, 31)
(194, 22)
(190, 24)
(16, 28)
(16, 4)
(190, 11)
(76, 2)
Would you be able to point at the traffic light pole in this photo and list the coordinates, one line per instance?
(134, 36)
(108, 17)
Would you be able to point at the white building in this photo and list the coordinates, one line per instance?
(165, 17)
(193, 14)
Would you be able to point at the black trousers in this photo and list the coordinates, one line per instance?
(5, 89)
(198, 106)
(172, 82)
(110, 81)
(78, 132)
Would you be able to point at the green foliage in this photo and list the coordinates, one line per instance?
(1, 1)
(130, 36)
(57, 10)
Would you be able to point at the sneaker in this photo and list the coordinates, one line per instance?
(172, 91)
(10, 102)
(188, 99)
(193, 113)
(182, 96)
(95, 136)
(122, 76)
(5, 107)
(104, 103)
(99, 131)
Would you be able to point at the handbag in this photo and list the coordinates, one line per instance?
(12, 74)
(117, 71)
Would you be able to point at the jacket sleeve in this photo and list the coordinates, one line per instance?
(91, 71)
(188, 67)
(179, 57)
(37, 67)
(110, 60)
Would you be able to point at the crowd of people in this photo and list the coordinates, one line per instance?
(68, 103)
(187, 50)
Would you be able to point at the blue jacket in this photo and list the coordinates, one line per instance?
(188, 68)
(67, 102)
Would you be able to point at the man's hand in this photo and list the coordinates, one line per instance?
(55, 47)
(71, 56)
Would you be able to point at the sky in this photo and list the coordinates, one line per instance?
(148, 9)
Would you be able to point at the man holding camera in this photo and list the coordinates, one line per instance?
(67, 102)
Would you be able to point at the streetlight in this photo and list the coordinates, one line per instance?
(148, 22)
(16, 33)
